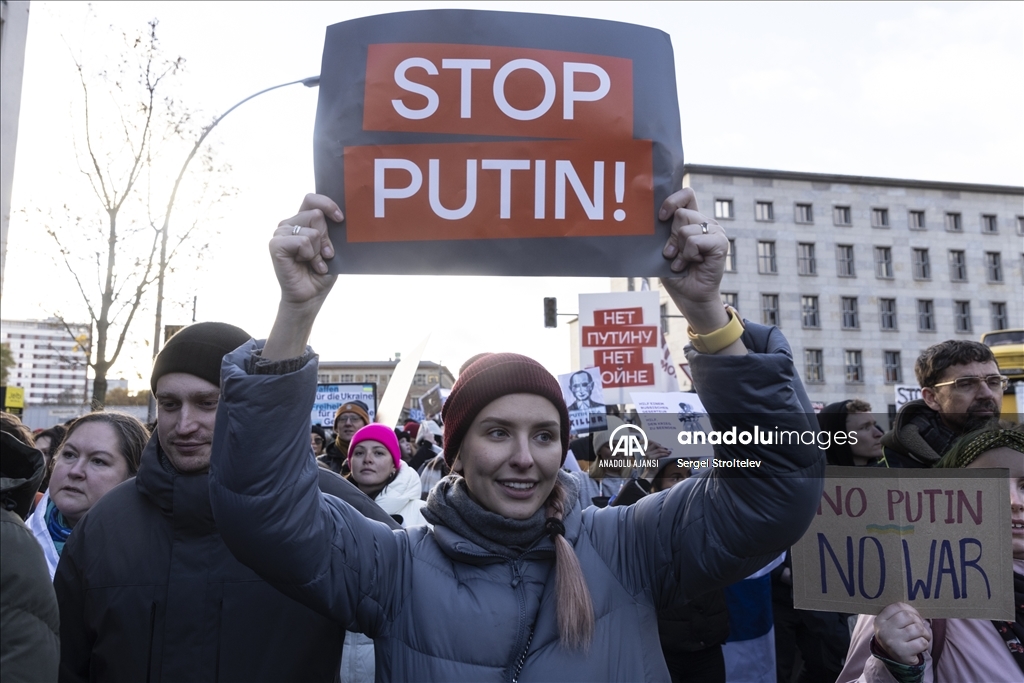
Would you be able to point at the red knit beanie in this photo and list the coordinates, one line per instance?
(489, 378)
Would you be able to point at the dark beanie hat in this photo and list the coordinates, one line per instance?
(198, 350)
(832, 418)
(489, 378)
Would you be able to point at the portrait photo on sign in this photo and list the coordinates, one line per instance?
(584, 396)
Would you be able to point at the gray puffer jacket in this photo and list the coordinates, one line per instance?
(441, 608)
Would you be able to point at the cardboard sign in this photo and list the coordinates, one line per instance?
(432, 402)
(939, 540)
(905, 393)
(665, 415)
(620, 333)
(472, 142)
(330, 397)
(584, 396)
(393, 401)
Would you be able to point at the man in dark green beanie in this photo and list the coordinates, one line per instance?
(147, 588)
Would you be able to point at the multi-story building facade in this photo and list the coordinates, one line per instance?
(428, 375)
(862, 273)
(50, 363)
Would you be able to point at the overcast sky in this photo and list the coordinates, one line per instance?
(907, 90)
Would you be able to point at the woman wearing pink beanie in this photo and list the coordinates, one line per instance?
(376, 467)
(375, 464)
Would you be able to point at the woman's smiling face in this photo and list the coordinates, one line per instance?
(511, 455)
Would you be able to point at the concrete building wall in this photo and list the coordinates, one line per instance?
(45, 416)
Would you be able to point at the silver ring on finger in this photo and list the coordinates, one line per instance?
(704, 228)
(295, 229)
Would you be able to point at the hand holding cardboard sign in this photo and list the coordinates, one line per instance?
(697, 247)
(299, 248)
(900, 629)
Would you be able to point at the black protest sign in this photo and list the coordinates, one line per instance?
(470, 142)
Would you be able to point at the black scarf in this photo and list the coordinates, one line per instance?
(449, 504)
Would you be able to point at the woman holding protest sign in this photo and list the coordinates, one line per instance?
(900, 645)
(515, 580)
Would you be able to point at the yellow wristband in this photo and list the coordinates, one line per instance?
(713, 342)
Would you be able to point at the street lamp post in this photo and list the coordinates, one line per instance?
(311, 82)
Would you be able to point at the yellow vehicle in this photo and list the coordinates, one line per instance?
(1008, 348)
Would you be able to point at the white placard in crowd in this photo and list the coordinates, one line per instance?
(620, 333)
(665, 415)
(330, 397)
(584, 396)
(905, 393)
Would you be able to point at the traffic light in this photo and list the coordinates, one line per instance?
(550, 311)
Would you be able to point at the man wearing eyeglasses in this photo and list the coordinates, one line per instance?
(961, 390)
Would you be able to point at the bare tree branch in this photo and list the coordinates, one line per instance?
(71, 333)
(104, 196)
(81, 289)
(144, 281)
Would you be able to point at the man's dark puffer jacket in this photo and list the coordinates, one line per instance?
(149, 592)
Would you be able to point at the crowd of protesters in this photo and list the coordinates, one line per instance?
(232, 540)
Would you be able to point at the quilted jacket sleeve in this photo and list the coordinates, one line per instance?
(716, 528)
(270, 510)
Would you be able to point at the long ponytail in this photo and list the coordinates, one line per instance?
(575, 608)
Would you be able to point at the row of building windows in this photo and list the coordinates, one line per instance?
(846, 266)
(810, 313)
(47, 337)
(853, 366)
(347, 378)
(420, 379)
(842, 215)
(70, 347)
(54, 387)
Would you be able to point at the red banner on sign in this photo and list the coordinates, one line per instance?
(627, 375)
(498, 190)
(493, 90)
(635, 335)
(609, 357)
(619, 316)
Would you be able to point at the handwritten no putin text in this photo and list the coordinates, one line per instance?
(926, 559)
